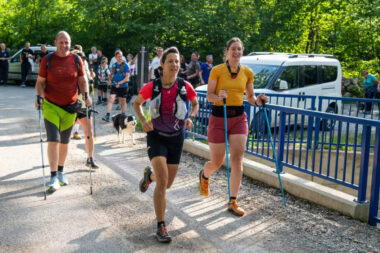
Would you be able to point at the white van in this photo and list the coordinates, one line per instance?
(295, 74)
(15, 65)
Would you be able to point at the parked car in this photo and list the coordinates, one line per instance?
(294, 74)
(15, 65)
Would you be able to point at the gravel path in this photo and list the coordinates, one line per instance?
(118, 218)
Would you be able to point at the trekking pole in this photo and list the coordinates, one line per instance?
(274, 154)
(88, 147)
(93, 109)
(227, 156)
(42, 148)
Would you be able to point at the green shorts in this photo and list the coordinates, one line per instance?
(58, 122)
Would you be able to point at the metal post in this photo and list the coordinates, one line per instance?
(375, 185)
(281, 142)
(364, 161)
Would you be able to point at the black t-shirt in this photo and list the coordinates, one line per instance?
(24, 53)
(42, 54)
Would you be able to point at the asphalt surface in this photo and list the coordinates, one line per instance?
(118, 218)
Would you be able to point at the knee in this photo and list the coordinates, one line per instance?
(162, 184)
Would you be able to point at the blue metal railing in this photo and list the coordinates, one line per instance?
(338, 154)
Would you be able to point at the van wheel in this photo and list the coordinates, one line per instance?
(327, 124)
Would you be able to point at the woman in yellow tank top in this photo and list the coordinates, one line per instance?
(229, 80)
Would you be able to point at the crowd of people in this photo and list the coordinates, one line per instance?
(66, 78)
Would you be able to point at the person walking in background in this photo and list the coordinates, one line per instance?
(103, 75)
(119, 78)
(57, 92)
(26, 59)
(205, 70)
(41, 54)
(93, 58)
(183, 67)
(165, 133)
(192, 72)
(229, 81)
(4, 64)
(132, 85)
(155, 64)
(370, 85)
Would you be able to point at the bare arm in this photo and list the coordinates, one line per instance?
(126, 79)
(211, 95)
(194, 110)
(200, 75)
(83, 87)
(147, 126)
(252, 99)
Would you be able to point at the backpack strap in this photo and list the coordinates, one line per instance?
(50, 55)
(156, 89)
(180, 85)
(49, 60)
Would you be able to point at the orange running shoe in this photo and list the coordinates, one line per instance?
(233, 208)
(203, 185)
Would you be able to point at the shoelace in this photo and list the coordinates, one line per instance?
(163, 230)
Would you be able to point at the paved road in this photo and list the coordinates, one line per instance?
(118, 218)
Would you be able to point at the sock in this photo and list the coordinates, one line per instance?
(53, 173)
(99, 98)
(60, 168)
(203, 176)
(233, 199)
(108, 114)
(160, 223)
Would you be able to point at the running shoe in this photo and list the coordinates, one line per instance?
(203, 185)
(23, 85)
(76, 136)
(62, 179)
(162, 235)
(91, 163)
(53, 185)
(145, 182)
(235, 209)
(106, 118)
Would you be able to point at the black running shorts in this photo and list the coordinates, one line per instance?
(120, 92)
(166, 146)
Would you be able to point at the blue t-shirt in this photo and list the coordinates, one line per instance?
(4, 54)
(369, 81)
(206, 69)
(117, 76)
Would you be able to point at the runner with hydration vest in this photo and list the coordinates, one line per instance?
(165, 132)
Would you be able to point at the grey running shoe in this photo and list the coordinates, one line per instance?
(62, 179)
(162, 235)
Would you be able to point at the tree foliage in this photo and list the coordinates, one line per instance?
(347, 29)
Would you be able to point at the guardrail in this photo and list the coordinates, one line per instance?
(316, 143)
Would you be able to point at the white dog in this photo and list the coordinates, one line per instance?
(124, 125)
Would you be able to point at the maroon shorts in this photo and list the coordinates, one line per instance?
(235, 125)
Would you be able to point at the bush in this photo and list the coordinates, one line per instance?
(356, 91)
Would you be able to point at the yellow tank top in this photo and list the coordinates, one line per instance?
(235, 87)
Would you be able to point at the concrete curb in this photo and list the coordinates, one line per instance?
(299, 187)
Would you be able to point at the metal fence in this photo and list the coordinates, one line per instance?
(338, 148)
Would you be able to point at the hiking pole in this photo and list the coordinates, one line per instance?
(88, 147)
(93, 109)
(274, 154)
(41, 141)
(227, 157)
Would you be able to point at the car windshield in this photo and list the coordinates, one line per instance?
(262, 73)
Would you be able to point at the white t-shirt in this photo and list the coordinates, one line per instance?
(113, 61)
(154, 65)
(92, 56)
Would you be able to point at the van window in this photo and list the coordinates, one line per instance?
(262, 74)
(309, 75)
(329, 73)
(290, 75)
